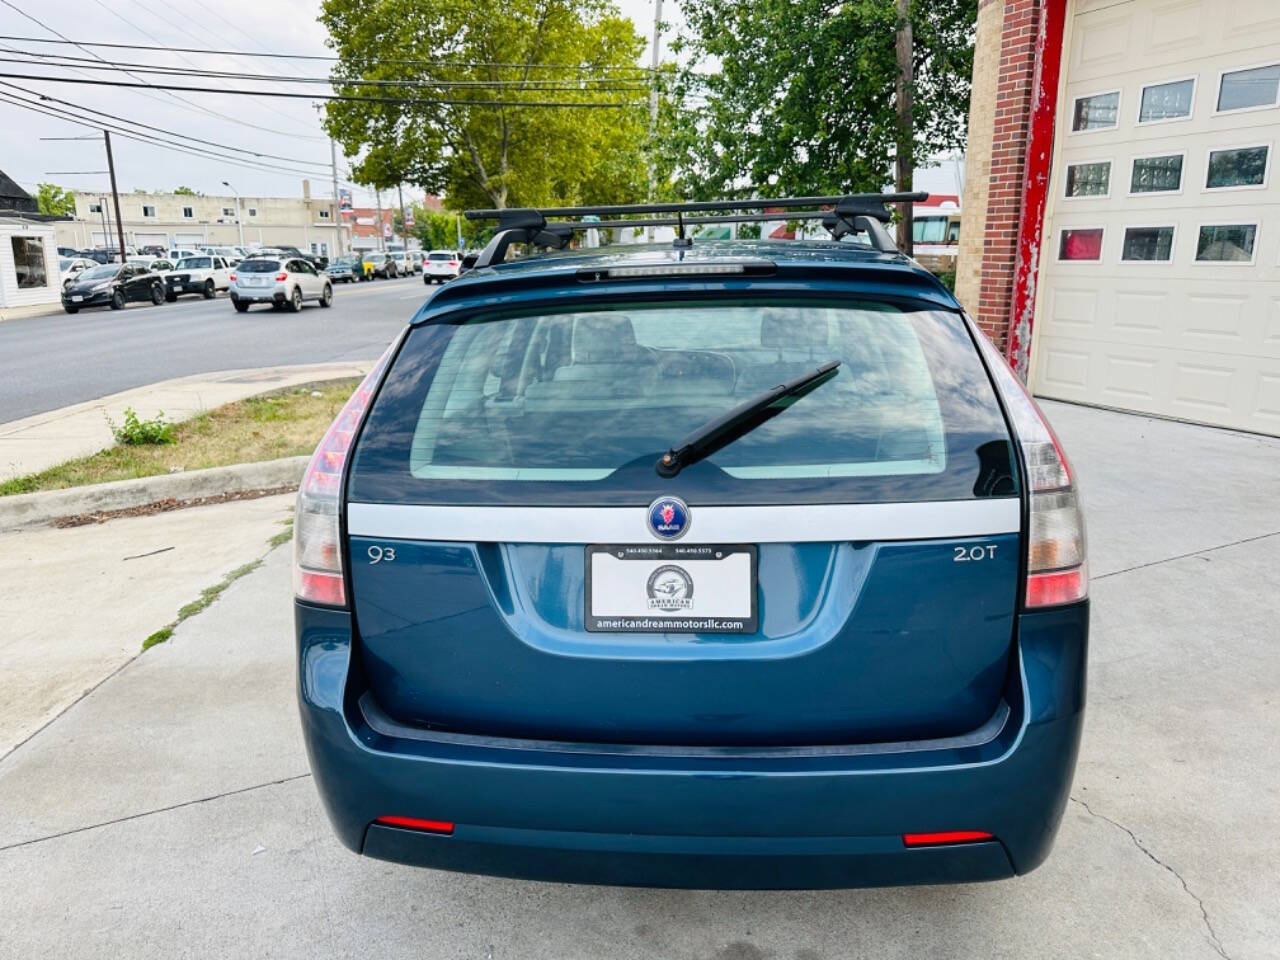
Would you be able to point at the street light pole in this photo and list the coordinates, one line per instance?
(337, 204)
(239, 221)
(655, 60)
(115, 195)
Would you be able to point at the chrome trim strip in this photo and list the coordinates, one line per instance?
(381, 723)
(792, 523)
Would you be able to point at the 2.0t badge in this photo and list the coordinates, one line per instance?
(669, 518)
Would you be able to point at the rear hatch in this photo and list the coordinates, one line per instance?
(846, 572)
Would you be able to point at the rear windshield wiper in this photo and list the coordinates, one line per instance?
(742, 419)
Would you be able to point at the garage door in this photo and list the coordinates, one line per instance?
(1160, 275)
(141, 240)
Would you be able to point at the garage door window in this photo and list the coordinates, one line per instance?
(1249, 89)
(1089, 179)
(1243, 167)
(1080, 244)
(1147, 244)
(1161, 174)
(1226, 243)
(1100, 111)
(28, 262)
(1166, 101)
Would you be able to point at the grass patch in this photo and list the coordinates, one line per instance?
(207, 596)
(287, 423)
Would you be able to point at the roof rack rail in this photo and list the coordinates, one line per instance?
(841, 215)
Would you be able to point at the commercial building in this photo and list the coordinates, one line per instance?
(1121, 234)
(29, 274)
(182, 220)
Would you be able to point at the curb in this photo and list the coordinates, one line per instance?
(28, 509)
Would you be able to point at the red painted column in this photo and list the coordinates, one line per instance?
(1021, 150)
(1035, 180)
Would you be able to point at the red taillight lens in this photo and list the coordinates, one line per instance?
(233, 278)
(413, 823)
(1056, 568)
(317, 547)
(453, 263)
(945, 838)
(282, 276)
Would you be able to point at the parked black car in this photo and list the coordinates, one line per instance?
(113, 285)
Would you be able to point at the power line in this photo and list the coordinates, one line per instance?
(184, 30)
(65, 39)
(332, 59)
(171, 133)
(166, 70)
(60, 114)
(422, 101)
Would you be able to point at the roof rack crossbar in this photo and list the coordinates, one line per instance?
(845, 215)
(870, 203)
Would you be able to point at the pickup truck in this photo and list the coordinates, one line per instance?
(205, 275)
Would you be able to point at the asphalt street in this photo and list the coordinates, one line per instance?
(170, 811)
(53, 361)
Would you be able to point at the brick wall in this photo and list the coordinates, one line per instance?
(982, 118)
(989, 277)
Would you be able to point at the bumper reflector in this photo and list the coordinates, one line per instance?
(944, 838)
(413, 823)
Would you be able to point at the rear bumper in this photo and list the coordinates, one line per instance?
(265, 295)
(695, 817)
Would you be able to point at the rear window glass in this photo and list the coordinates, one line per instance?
(438, 256)
(575, 408)
(258, 266)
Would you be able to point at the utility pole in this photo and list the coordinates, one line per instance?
(906, 131)
(404, 243)
(115, 195)
(653, 92)
(337, 204)
(377, 199)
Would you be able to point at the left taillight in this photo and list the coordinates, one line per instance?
(1057, 567)
(317, 535)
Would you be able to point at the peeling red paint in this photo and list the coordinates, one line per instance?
(1035, 185)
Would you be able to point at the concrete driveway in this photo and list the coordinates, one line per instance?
(170, 813)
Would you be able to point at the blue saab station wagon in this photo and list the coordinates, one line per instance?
(722, 565)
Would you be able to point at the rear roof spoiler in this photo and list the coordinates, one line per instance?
(841, 215)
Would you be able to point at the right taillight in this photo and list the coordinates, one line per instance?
(1057, 569)
(317, 535)
(282, 276)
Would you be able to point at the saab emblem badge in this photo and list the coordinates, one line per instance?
(669, 518)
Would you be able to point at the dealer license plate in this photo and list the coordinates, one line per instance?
(671, 588)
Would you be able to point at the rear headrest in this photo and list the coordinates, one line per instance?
(602, 338)
(787, 330)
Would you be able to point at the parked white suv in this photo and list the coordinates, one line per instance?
(205, 275)
(279, 281)
(441, 265)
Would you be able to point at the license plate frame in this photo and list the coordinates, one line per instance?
(662, 590)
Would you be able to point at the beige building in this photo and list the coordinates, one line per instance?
(176, 220)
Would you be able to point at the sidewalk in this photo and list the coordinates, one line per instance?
(35, 443)
(83, 599)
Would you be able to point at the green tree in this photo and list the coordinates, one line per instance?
(55, 201)
(520, 52)
(185, 192)
(803, 100)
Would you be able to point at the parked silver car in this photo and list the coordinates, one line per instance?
(281, 282)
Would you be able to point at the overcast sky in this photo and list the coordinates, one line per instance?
(287, 128)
